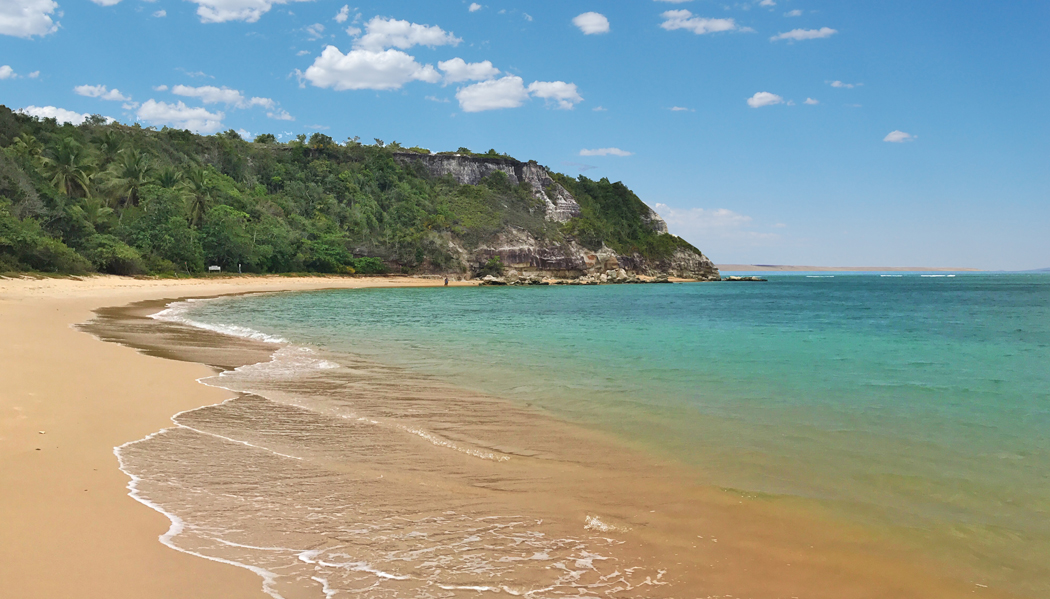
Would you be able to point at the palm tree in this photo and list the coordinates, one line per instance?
(28, 148)
(199, 194)
(128, 175)
(108, 144)
(69, 167)
(96, 212)
(170, 178)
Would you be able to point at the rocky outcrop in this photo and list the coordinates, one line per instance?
(469, 170)
(655, 222)
(532, 259)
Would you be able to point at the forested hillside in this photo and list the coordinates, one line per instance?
(130, 200)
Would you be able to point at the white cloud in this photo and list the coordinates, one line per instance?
(220, 11)
(129, 105)
(100, 92)
(180, 116)
(437, 99)
(703, 219)
(353, 31)
(160, 14)
(683, 19)
(898, 137)
(343, 14)
(591, 23)
(26, 18)
(767, 3)
(605, 152)
(600, 109)
(844, 85)
(6, 72)
(59, 114)
(764, 99)
(385, 33)
(457, 70)
(209, 94)
(365, 69)
(680, 109)
(106, 2)
(474, 7)
(811, 102)
(315, 31)
(33, 75)
(564, 94)
(715, 223)
(508, 92)
(302, 52)
(793, 13)
(160, 88)
(280, 115)
(804, 34)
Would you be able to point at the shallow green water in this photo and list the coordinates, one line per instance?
(918, 404)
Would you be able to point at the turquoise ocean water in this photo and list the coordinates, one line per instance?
(917, 405)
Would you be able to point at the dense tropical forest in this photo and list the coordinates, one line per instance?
(107, 197)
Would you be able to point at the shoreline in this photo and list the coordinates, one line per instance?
(67, 503)
(199, 578)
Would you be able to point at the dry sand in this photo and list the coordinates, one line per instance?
(67, 526)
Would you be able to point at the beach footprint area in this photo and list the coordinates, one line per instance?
(334, 475)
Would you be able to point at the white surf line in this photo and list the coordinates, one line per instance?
(174, 312)
(218, 436)
(441, 442)
(178, 525)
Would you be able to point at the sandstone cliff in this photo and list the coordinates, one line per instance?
(559, 256)
(469, 170)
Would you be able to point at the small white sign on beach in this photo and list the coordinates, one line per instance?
(214, 268)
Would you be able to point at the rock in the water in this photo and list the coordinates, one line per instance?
(736, 278)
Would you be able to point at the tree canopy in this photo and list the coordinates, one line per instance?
(131, 200)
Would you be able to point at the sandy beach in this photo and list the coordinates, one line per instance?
(69, 528)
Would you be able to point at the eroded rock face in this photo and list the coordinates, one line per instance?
(520, 251)
(469, 170)
(655, 221)
(531, 257)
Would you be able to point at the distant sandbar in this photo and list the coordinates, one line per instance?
(788, 268)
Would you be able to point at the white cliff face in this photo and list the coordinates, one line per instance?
(469, 170)
(521, 251)
(655, 221)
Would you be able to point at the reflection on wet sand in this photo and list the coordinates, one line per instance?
(330, 475)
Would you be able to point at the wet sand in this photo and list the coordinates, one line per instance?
(67, 525)
(695, 540)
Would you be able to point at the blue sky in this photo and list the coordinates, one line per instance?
(925, 141)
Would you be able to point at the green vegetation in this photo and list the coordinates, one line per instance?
(131, 200)
(613, 215)
(493, 267)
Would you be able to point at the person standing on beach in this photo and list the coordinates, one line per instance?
(446, 281)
